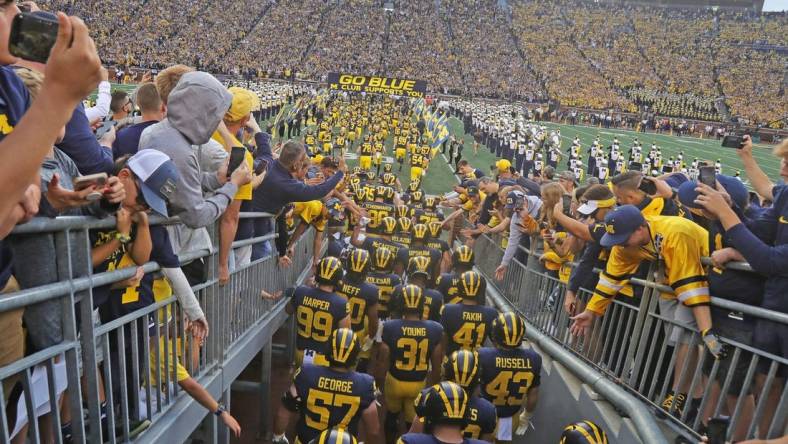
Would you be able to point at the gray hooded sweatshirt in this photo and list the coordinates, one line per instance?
(194, 109)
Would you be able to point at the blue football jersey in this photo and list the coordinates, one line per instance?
(507, 375)
(466, 326)
(359, 295)
(410, 346)
(318, 313)
(331, 398)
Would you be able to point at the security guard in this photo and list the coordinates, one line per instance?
(333, 396)
(319, 311)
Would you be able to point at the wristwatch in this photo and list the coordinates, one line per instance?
(219, 410)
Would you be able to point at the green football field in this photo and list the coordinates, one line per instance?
(440, 177)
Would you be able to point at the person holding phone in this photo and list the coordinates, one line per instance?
(236, 119)
(72, 72)
(765, 247)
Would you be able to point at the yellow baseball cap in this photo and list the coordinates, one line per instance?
(503, 165)
(241, 106)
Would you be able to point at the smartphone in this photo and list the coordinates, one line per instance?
(261, 167)
(718, 429)
(105, 127)
(708, 176)
(733, 141)
(648, 186)
(236, 157)
(32, 36)
(98, 179)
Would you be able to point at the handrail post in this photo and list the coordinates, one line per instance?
(643, 322)
(88, 343)
(70, 334)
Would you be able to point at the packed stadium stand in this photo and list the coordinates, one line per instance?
(393, 222)
(627, 56)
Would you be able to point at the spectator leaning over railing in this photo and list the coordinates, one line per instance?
(735, 285)
(524, 210)
(678, 245)
(283, 184)
(194, 109)
(236, 119)
(768, 257)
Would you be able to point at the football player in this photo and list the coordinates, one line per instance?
(410, 347)
(583, 432)
(335, 436)
(362, 298)
(319, 311)
(510, 376)
(378, 209)
(383, 278)
(462, 368)
(467, 325)
(434, 241)
(333, 396)
(418, 275)
(445, 417)
(447, 284)
(418, 247)
(383, 239)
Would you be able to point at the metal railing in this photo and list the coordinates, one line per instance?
(118, 381)
(632, 346)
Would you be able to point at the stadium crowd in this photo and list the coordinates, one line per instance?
(390, 298)
(593, 55)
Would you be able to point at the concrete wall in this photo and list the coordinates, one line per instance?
(564, 399)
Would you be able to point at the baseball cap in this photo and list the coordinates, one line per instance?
(514, 199)
(334, 207)
(738, 192)
(241, 105)
(157, 178)
(503, 165)
(592, 205)
(620, 224)
(473, 190)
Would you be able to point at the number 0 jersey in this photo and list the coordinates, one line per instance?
(318, 314)
(360, 295)
(331, 398)
(466, 326)
(410, 344)
(507, 375)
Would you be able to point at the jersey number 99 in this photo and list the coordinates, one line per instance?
(313, 324)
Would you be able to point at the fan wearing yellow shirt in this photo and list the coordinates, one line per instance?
(235, 119)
